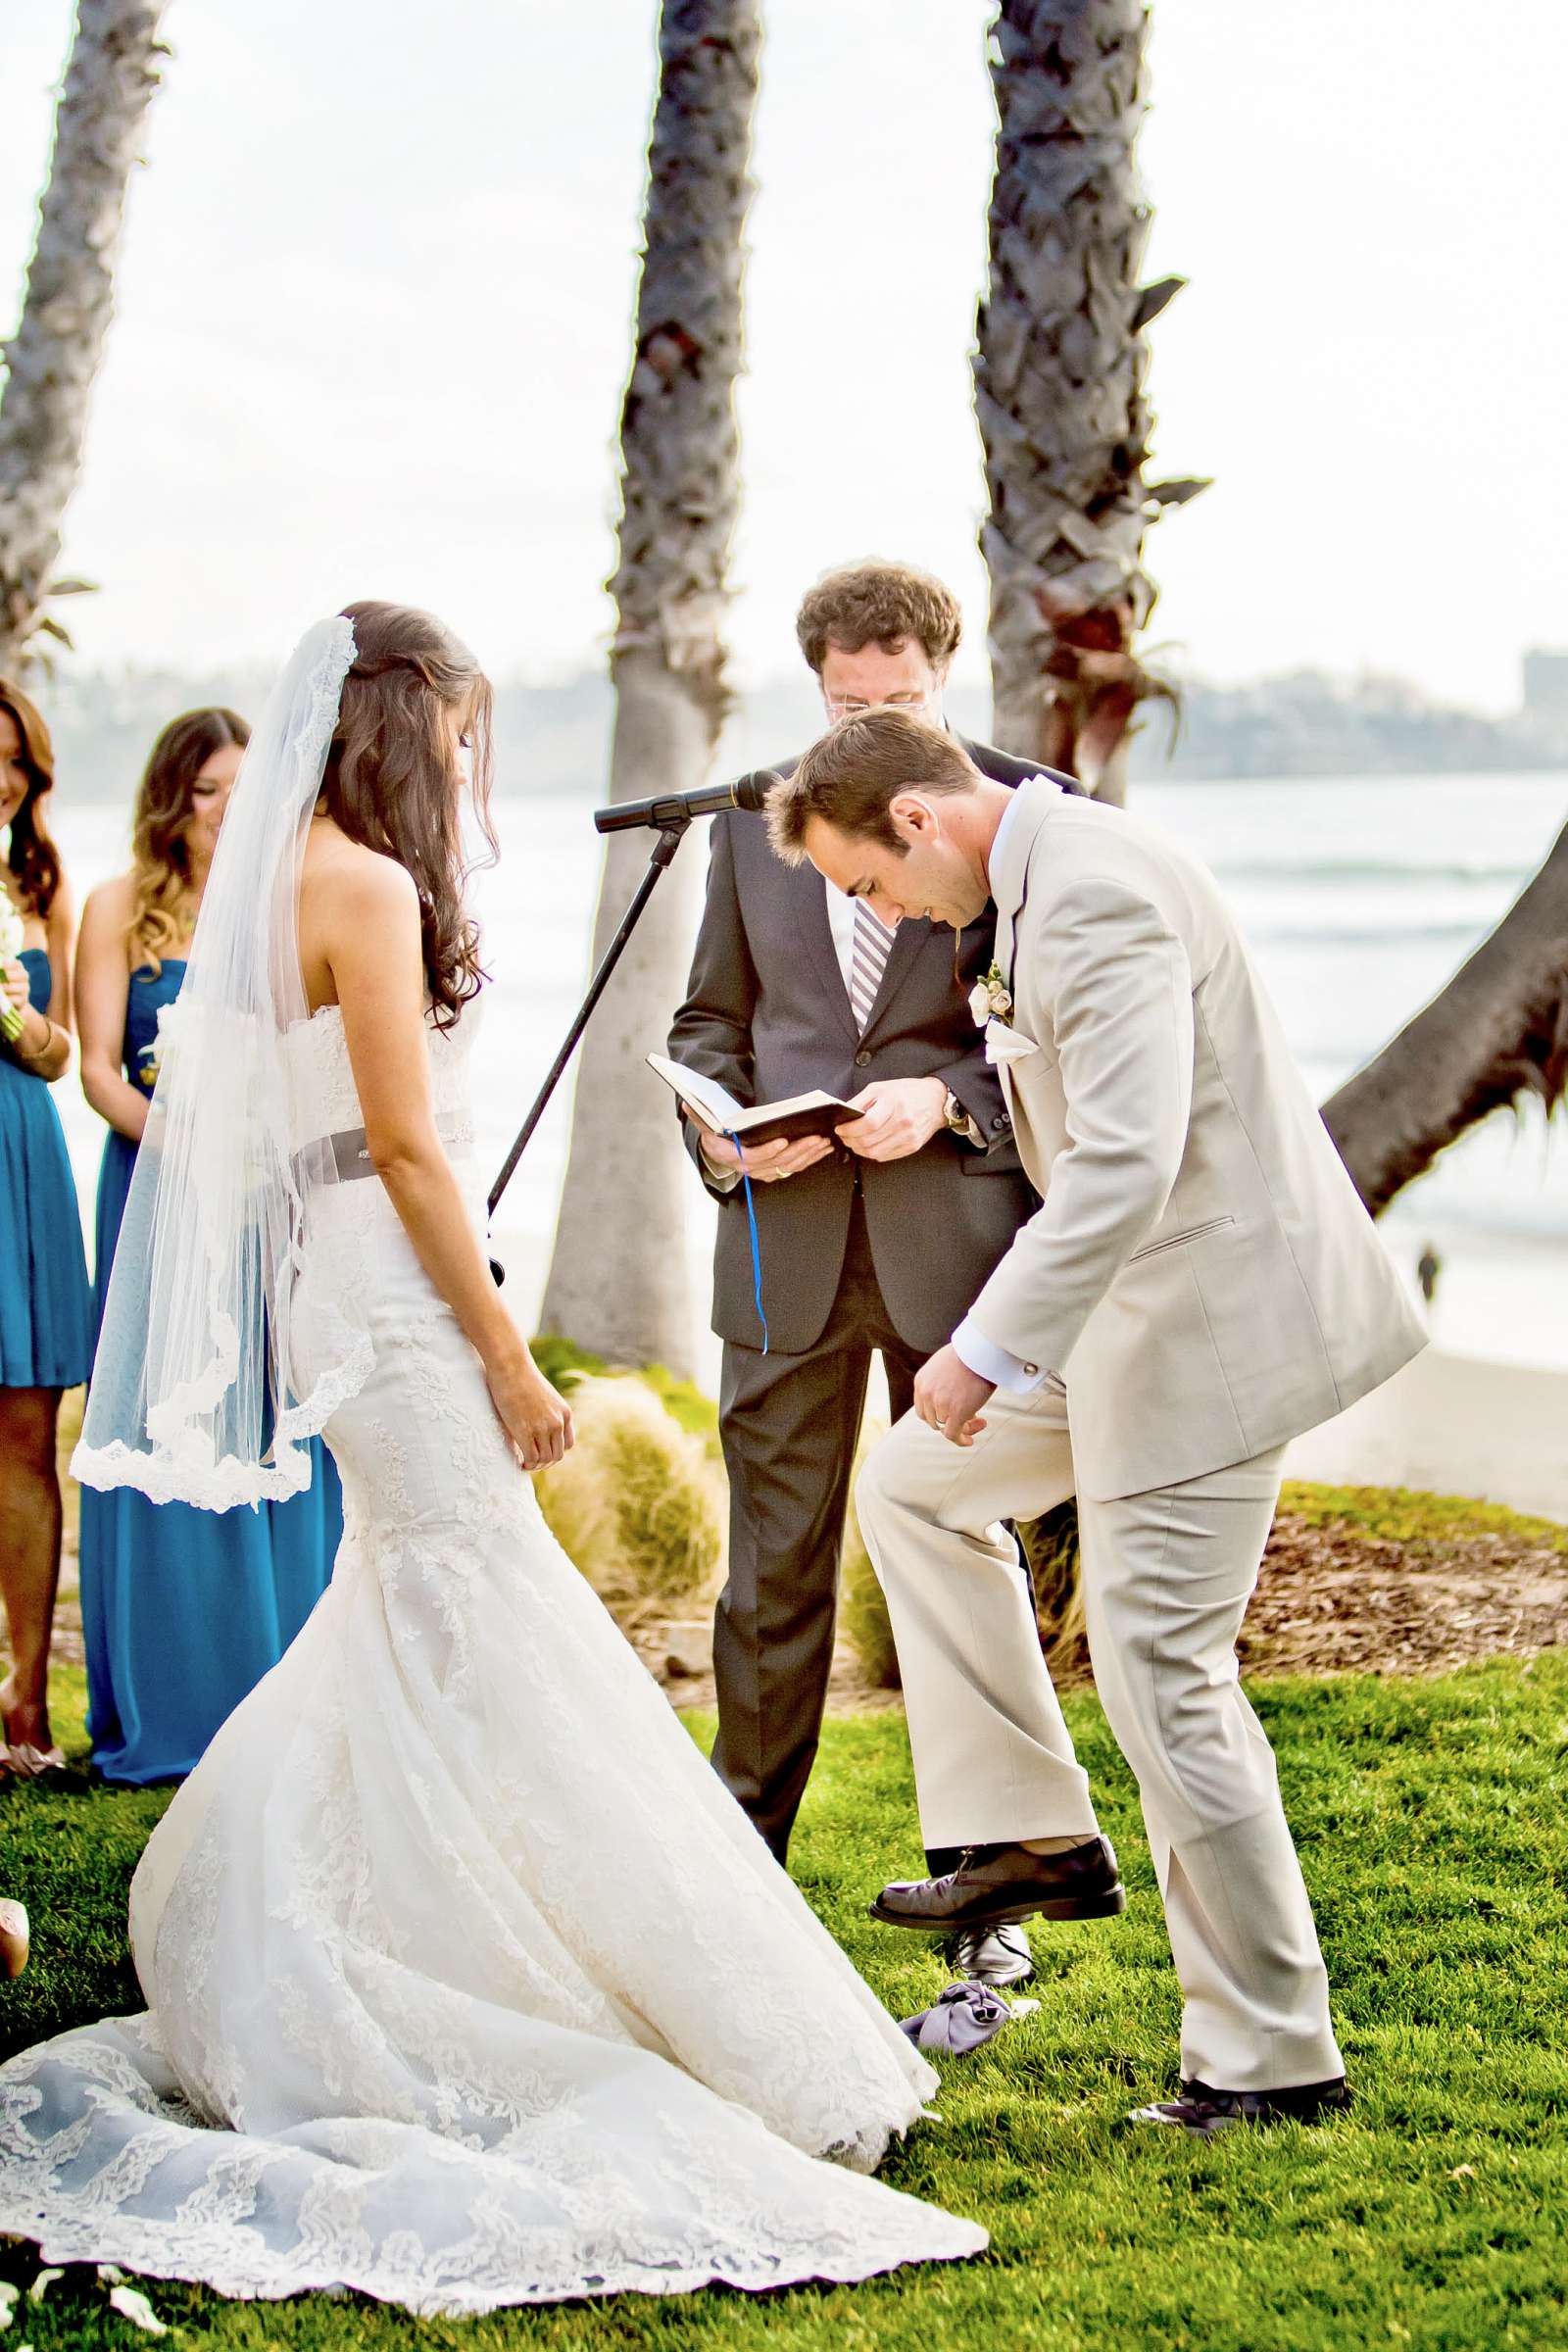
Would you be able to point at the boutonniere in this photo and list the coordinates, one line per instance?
(989, 999)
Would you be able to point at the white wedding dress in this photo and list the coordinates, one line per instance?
(467, 1983)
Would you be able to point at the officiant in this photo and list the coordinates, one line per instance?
(873, 1244)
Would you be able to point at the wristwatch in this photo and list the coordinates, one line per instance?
(958, 1121)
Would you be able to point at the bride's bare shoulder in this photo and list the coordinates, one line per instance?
(358, 910)
(342, 877)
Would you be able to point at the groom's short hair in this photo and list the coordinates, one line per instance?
(849, 778)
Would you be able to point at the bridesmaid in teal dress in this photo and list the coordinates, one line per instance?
(183, 1611)
(45, 1310)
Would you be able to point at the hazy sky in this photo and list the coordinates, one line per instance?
(376, 285)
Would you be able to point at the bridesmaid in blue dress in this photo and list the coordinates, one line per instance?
(183, 1611)
(45, 1311)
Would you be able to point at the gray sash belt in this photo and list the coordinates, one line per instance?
(350, 1154)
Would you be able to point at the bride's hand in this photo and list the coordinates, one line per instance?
(535, 1416)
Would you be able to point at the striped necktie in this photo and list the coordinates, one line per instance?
(872, 943)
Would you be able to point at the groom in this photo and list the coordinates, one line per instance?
(1200, 1283)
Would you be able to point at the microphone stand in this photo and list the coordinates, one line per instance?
(673, 821)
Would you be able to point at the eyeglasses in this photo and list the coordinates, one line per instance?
(853, 706)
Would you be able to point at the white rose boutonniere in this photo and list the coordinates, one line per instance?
(989, 999)
(13, 931)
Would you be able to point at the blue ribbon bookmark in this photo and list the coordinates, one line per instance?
(757, 1246)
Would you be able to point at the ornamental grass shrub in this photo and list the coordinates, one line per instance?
(1051, 1547)
(563, 1363)
(638, 1504)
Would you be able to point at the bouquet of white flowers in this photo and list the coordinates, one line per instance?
(150, 1060)
(13, 931)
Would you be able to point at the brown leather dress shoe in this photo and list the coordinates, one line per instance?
(997, 1886)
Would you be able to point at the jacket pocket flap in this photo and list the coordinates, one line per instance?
(1179, 1240)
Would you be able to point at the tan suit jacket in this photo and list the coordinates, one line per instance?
(1202, 1272)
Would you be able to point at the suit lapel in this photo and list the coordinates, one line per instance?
(1011, 882)
(1009, 871)
(1003, 955)
(809, 913)
(1010, 1094)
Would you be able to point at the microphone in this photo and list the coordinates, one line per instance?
(679, 808)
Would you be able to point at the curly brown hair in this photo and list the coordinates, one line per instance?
(161, 876)
(878, 603)
(33, 859)
(388, 782)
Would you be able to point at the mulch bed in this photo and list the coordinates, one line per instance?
(1334, 1599)
(1330, 1599)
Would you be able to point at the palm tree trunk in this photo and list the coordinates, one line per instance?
(1495, 1034)
(60, 343)
(620, 1279)
(1059, 376)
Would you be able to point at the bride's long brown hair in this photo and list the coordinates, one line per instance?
(389, 782)
(161, 909)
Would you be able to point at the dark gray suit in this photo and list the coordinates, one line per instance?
(858, 1257)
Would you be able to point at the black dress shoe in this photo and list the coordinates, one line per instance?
(997, 1886)
(993, 1956)
(1202, 2110)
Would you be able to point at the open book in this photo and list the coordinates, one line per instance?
(717, 1109)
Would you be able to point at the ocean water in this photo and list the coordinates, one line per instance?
(1360, 897)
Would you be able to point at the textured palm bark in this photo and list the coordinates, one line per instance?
(1497, 1034)
(620, 1280)
(1059, 378)
(59, 346)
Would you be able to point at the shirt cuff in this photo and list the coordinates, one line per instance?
(987, 1362)
(722, 1177)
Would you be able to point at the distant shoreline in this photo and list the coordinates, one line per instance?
(1302, 727)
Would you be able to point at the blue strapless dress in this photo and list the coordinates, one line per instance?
(45, 1304)
(183, 1611)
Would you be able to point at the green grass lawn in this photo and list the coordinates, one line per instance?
(1433, 1819)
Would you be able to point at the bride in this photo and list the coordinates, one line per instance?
(436, 2009)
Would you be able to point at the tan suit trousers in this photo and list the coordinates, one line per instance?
(1166, 1577)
